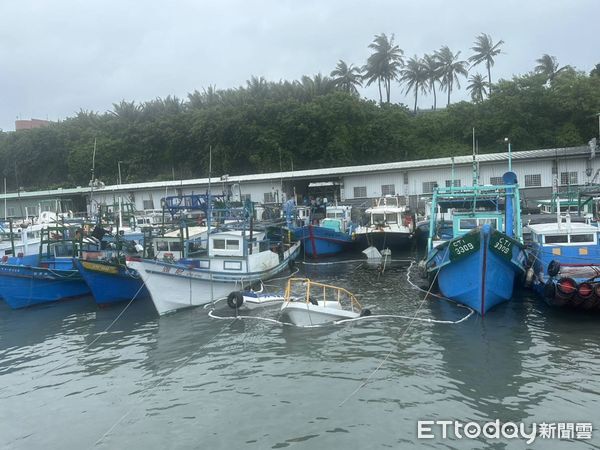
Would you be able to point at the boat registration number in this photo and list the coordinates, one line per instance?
(464, 246)
(501, 245)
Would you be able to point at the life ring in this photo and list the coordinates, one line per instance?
(235, 299)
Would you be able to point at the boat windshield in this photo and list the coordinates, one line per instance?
(384, 218)
(472, 222)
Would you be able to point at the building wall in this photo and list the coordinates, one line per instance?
(413, 180)
(29, 124)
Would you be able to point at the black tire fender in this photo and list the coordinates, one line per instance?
(235, 299)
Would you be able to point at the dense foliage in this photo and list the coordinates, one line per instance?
(312, 123)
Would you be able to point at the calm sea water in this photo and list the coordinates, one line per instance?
(190, 381)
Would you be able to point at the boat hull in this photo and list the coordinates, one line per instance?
(304, 314)
(25, 285)
(471, 271)
(318, 241)
(173, 287)
(111, 283)
(384, 239)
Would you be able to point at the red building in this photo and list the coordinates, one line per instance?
(29, 124)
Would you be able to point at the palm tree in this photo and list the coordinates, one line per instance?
(485, 50)
(414, 75)
(346, 78)
(548, 66)
(384, 64)
(450, 67)
(477, 87)
(432, 67)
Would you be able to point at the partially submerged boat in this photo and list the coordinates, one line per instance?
(308, 303)
(479, 265)
(251, 299)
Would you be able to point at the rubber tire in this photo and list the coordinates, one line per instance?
(235, 299)
(553, 268)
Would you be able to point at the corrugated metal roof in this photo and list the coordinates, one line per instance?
(332, 171)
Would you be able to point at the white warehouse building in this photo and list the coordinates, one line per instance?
(356, 185)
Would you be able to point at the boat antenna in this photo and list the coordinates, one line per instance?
(209, 209)
(92, 182)
(474, 161)
(5, 196)
(452, 182)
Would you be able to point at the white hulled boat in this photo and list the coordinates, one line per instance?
(390, 225)
(309, 303)
(235, 260)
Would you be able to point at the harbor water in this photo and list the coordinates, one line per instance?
(73, 376)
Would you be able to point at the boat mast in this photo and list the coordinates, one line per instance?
(209, 209)
(5, 195)
(452, 180)
(92, 182)
(474, 161)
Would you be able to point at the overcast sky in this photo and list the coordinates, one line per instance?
(58, 57)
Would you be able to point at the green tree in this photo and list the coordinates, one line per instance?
(433, 69)
(346, 77)
(485, 51)
(414, 76)
(548, 66)
(451, 68)
(477, 87)
(384, 64)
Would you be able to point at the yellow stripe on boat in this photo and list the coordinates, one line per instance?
(100, 267)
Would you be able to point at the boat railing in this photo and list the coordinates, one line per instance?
(304, 289)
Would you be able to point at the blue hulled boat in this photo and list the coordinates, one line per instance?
(332, 234)
(565, 267)
(111, 281)
(46, 277)
(479, 265)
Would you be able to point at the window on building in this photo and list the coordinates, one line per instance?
(360, 191)
(388, 189)
(429, 186)
(533, 180)
(496, 181)
(405, 177)
(245, 197)
(148, 204)
(568, 178)
(269, 197)
(10, 211)
(456, 183)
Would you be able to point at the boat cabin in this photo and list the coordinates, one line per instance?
(462, 223)
(572, 242)
(235, 243)
(337, 218)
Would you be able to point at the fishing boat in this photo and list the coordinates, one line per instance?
(235, 259)
(109, 279)
(49, 276)
(390, 224)
(479, 265)
(565, 269)
(309, 303)
(328, 236)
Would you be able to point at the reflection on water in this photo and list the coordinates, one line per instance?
(186, 380)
